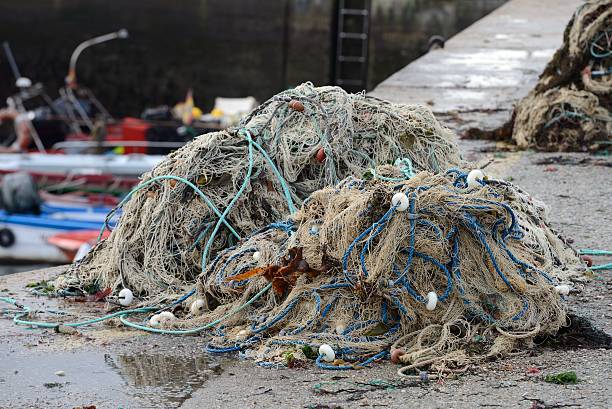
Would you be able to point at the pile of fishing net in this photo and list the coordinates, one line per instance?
(437, 270)
(207, 195)
(570, 107)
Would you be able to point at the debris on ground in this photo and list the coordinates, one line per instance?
(573, 161)
(563, 378)
(65, 329)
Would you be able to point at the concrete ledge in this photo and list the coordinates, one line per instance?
(487, 67)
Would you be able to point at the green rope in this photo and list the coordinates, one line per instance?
(122, 314)
(26, 310)
(602, 267)
(247, 177)
(198, 329)
(592, 252)
(208, 202)
(404, 165)
(222, 220)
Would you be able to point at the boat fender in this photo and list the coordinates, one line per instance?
(7, 237)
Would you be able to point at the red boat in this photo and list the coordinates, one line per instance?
(71, 242)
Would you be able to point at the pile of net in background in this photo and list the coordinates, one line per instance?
(223, 185)
(570, 107)
(442, 272)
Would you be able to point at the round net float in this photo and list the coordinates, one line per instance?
(154, 320)
(474, 178)
(166, 316)
(562, 289)
(296, 105)
(257, 256)
(432, 301)
(126, 297)
(321, 155)
(327, 353)
(396, 354)
(588, 260)
(400, 200)
(197, 307)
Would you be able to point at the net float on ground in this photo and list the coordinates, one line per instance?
(197, 307)
(166, 316)
(125, 297)
(327, 353)
(396, 354)
(154, 321)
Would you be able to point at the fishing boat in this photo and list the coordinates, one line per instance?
(78, 165)
(29, 237)
(28, 218)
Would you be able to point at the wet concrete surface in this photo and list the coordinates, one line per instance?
(482, 71)
(84, 377)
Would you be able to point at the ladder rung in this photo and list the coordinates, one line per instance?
(356, 36)
(354, 12)
(346, 58)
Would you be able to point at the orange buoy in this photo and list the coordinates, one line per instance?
(296, 105)
(321, 155)
(588, 260)
(395, 355)
(172, 182)
(202, 180)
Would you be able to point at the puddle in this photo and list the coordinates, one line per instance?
(104, 380)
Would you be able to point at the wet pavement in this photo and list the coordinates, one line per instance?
(482, 71)
(103, 379)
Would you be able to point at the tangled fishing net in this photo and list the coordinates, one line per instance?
(444, 272)
(569, 108)
(205, 196)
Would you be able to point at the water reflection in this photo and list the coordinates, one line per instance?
(162, 380)
(129, 380)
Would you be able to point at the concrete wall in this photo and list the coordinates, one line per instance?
(217, 47)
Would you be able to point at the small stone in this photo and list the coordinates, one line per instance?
(65, 329)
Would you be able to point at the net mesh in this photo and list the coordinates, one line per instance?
(354, 271)
(295, 143)
(569, 108)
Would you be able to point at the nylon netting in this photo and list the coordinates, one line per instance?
(295, 143)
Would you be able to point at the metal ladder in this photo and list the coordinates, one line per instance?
(351, 69)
